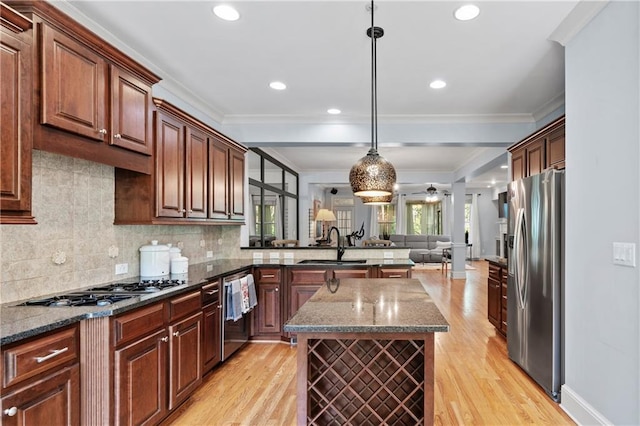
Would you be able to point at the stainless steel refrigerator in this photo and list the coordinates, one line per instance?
(535, 283)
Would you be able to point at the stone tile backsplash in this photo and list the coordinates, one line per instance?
(73, 202)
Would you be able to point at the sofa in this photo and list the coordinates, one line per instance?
(423, 248)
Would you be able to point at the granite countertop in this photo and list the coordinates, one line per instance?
(500, 261)
(370, 305)
(21, 322)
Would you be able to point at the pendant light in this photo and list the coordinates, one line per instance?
(372, 175)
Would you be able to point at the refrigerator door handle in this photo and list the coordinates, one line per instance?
(520, 249)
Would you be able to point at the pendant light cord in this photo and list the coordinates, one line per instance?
(374, 85)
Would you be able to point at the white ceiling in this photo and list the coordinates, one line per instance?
(500, 67)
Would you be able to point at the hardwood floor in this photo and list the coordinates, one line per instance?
(476, 383)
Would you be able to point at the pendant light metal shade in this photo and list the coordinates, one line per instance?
(372, 175)
(377, 201)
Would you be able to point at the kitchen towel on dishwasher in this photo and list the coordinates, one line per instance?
(244, 286)
(253, 299)
(234, 301)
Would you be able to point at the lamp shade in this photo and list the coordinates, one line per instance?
(372, 176)
(325, 215)
(377, 201)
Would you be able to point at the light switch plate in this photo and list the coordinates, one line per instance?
(288, 255)
(209, 253)
(624, 254)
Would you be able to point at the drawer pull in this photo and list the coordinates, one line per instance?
(11, 411)
(395, 276)
(53, 354)
(268, 276)
(212, 292)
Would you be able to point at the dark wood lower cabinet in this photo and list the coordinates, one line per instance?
(157, 359)
(211, 339)
(185, 365)
(268, 310)
(140, 380)
(497, 297)
(53, 400)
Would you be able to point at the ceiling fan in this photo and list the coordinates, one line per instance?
(431, 193)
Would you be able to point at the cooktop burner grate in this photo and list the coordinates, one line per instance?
(78, 299)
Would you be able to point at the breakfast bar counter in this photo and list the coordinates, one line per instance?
(366, 353)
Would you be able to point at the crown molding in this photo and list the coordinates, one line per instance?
(576, 20)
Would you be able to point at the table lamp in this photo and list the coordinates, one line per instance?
(325, 215)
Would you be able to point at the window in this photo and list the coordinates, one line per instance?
(273, 188)
(387, 220)
(424, 218)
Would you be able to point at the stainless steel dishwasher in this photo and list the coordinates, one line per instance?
(234, 333)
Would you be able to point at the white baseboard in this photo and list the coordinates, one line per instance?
(580, 410)
(457, 275)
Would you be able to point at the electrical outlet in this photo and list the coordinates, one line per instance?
(388, 255)
(209, 253)
(122, 268)
(209, 268)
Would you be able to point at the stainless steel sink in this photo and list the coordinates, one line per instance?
(332, 261)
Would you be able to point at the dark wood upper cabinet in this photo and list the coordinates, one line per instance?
(226, 180)
(91, 101)
(536, 157)
(170, 166)
(197, 182)
(555, 149)
(193, 180)
(219, 180)
(542, 150)
(131, 112)
(73, 86)
(16, 117)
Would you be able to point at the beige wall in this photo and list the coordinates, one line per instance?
(73, 202)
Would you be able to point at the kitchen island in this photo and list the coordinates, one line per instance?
(366, 353)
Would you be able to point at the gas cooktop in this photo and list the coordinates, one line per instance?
(108, 294)
(143, 286)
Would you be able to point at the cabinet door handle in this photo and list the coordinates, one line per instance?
(176, 333)
(190, 211)
(117, 136)
(395, 276)
(277, 289)
(268, 276)
(11, 411)
(53, 354)
(219, 306)
(165, 339)
(212, 292)
(102, 131)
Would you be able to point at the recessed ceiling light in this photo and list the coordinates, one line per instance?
(277, 85)
(504, 166)
(334, 111)
(437, 84)
(467, 12)
(226, 12)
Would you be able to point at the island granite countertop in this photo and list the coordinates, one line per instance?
(369, 305)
